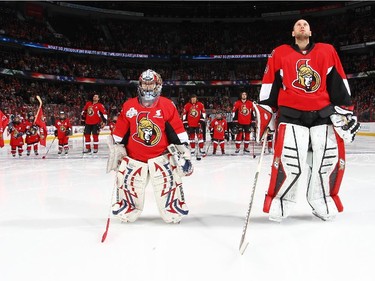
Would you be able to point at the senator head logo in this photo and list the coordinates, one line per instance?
(244, 110)
(308, 79)
(148, 133)
(90, 111)
(193, 112)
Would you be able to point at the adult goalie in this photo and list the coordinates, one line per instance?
(139, 154)
(306, 84)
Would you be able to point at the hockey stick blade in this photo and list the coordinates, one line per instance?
(106, 230)
(39, 100)
(243, 247)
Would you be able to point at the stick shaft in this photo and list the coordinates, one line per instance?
(244, 242)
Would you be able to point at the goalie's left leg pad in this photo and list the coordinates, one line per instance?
(168, 190)
(327, 172)
(132, 179)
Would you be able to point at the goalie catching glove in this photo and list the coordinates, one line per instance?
(264, 119)
(182, 159)
(345, 124)
(116, 153)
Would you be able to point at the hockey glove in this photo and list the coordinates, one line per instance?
(68, 132)
(182, 159)
(265, 118)
(116, 153)
(55, 133)
(345, 123)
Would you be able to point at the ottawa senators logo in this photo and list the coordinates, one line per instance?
(244, 110)
(148, 133)
(90, 111)
(33, 130)
(219, 128)
(193, 112)
(308, 79)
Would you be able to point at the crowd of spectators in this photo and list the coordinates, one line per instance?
(17, 95)
(182, 37)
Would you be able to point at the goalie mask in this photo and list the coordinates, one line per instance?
(149, 88)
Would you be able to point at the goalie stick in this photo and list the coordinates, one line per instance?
(244, 239)
(104, 236)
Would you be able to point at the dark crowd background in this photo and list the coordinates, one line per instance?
(176, 39)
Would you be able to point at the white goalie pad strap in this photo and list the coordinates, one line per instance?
(132, 179)
(168, 190)
(264, 119)
(116, 153)
(287, 168)
(325, 158)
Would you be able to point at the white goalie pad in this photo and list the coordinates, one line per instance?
(168, 190)
(132, 179)
(290, 157)
(325, 161)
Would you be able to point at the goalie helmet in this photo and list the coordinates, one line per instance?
(149, 88)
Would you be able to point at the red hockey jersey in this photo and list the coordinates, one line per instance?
(94, 113)
(219, 127)
(242, 112)
(193, 113)
(32, 133)
(146, 132)
(61, 127)
(16, 132)
(304, 80)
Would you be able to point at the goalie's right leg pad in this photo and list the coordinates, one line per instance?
(290, 155)
(132, 179)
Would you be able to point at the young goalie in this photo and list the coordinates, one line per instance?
(146, 126)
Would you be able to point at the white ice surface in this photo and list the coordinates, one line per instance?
(53, 213)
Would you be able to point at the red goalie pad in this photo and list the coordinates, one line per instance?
(264, 119)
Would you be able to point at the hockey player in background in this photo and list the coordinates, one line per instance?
(194, 116)
(145, 128)
(306, 83)
(94, 117)
(242, 117)
(16, 129)
(218, 131)
(32, 135)
(62, 132)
